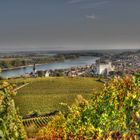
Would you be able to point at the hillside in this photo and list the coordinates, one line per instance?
(114, 114)
(45, 94)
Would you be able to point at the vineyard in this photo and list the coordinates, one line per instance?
(45, 94)
(37, 121)
(112, 114)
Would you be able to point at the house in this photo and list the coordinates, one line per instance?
(72, 74)
(47, 74)
(104, 67)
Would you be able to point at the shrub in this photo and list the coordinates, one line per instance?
(11, 127)
(112, 114)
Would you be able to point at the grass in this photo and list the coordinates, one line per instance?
(46, 94)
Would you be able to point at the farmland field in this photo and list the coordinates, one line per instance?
(46, 94)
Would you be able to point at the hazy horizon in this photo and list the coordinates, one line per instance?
(69, 25)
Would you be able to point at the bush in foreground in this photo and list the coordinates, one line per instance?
(11, 127)
(112, 114)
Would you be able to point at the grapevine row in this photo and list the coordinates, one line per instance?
(37, 121)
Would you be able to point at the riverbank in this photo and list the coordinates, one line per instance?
(17, 62)
(6, 69)
(20, 67)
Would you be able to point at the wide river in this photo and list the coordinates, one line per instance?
(81, 61)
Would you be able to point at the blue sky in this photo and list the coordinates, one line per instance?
(69, 24)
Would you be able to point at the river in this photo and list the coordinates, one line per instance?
(81, 61)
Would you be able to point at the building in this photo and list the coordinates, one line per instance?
(47, 74)
(103, 68)
(34, 68)
(72, 74)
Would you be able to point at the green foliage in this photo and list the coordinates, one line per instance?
(11, 127)
(137, 75)
(41, 73)
(11, 63)
(112, 114)
(17, 61)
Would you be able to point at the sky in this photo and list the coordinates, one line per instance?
(69, 24)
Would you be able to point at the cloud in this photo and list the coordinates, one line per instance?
(75, 1)
(101, 3)
(93, 5)
(92, 17)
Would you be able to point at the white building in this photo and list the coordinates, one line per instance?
(104, 67)
(47, 74)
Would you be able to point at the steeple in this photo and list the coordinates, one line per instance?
(34, 68)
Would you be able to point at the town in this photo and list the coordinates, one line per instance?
(116, 65)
